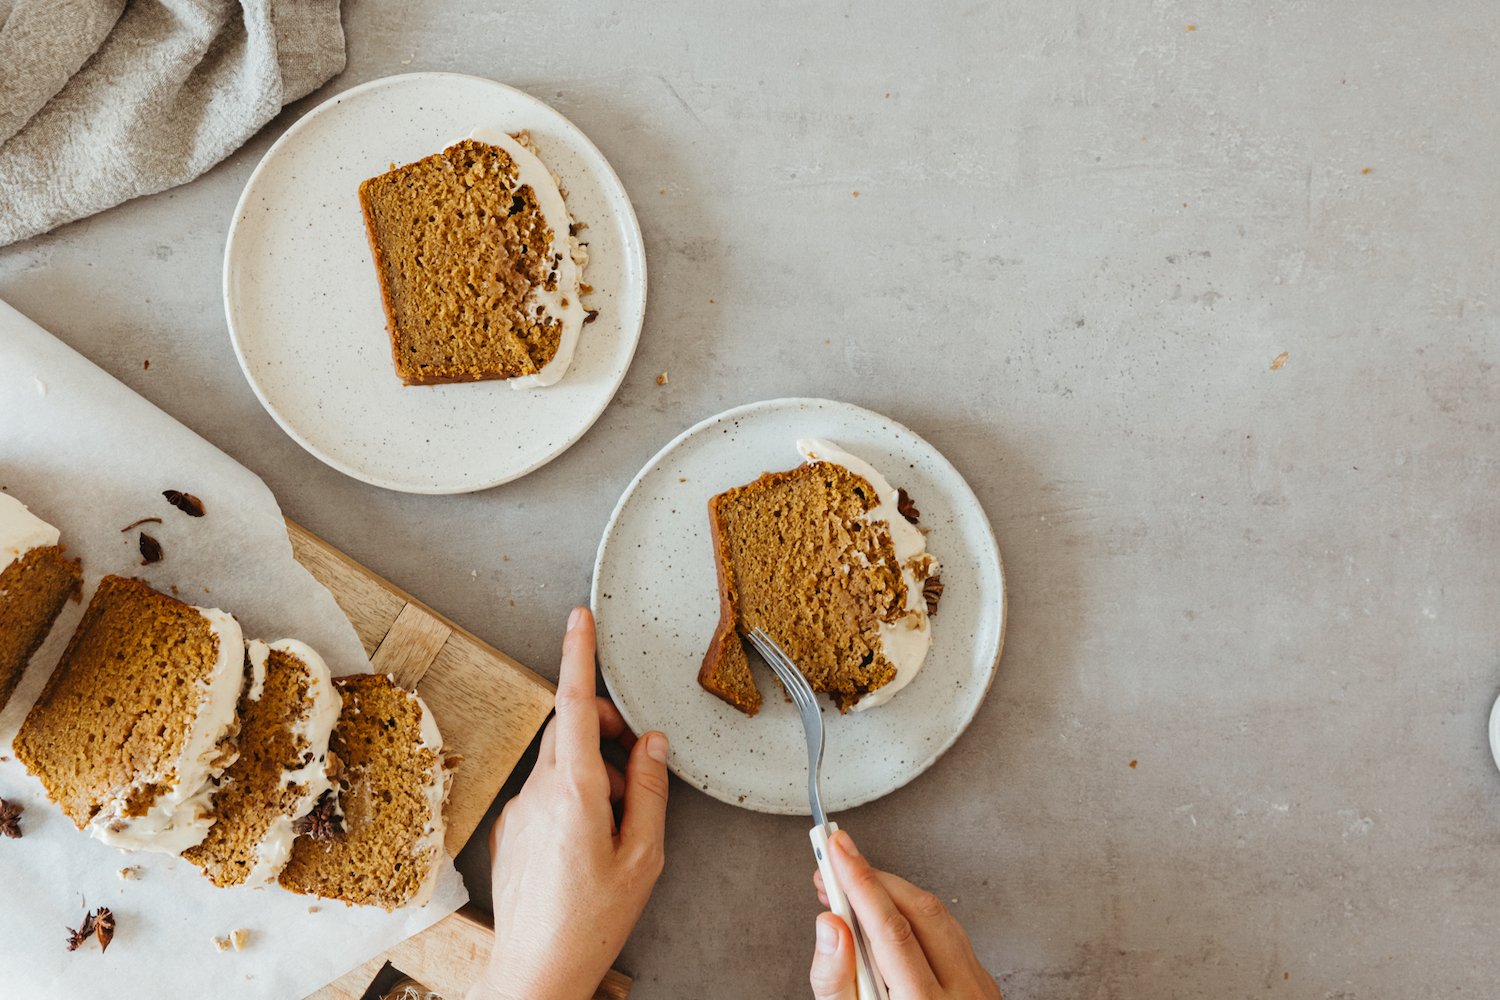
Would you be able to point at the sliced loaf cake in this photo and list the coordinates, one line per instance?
(137, 721)
(822, 559)
(287, 712)
(36, 580)
(386, 847)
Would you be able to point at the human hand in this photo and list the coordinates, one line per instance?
(920, 948)
(569, 884)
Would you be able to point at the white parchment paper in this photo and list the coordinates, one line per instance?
(88, 455)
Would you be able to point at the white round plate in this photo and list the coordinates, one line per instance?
(303, 301)
(656, 600)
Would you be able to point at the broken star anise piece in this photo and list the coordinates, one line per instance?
(10, 819)
(905, 507)
(185, 502)
(323, 823)
(82, 934)
(150, 550)
(932, 592)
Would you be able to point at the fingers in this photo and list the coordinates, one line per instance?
(892, 936)
(941, 936)
(832, 973)
(616, 783)
(612, 724)
(577, 722)
(643, 827)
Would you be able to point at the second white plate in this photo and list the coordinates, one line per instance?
(656, 601)
(303, 302)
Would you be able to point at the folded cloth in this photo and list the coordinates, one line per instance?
(105, 100)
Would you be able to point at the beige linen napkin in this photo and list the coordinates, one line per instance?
(105, 100)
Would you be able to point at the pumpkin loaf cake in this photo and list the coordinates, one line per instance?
(392, 784)
(479, 273)
(822, 558)
(36, 580)
(137, 721)
(287, 712)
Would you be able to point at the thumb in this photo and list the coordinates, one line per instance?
(832, 974)
(644, 824)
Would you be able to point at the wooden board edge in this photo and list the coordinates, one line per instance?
(294, 529)
(450, 955)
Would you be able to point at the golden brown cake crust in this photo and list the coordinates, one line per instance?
(795, 556)
(457, 253)
(33, 591)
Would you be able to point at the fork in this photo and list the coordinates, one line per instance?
(871, 985)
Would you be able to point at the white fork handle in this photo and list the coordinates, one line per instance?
(871, 984)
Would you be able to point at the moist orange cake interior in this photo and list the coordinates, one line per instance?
(120, 701)
(251, 793)
(796, 558)
(383, 786)
(33, 591)
(458, 255)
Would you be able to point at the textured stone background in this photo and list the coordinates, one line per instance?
(1083, 233)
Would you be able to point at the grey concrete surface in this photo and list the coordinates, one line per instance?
(1082, 234)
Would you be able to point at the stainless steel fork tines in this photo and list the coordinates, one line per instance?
(807, 707)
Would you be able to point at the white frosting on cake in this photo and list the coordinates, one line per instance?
(314, 727)
(21, 531)
(181, 816)
(904, 642)
(564, 303)
(430, 845)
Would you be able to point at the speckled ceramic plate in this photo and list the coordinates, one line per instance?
(655, 597)
(303, 302)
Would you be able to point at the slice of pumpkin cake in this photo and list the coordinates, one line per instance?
(36, 580)
(479, 273)
(137, 721)
(823, 559)
(287, 712)
(386, 848)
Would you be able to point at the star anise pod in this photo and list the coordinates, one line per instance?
(104, 927)
(323, 823)
(932, 592)
(185, 502)
(10, 819)
(905, 507)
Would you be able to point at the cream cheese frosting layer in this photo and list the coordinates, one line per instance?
(315, 727)
(904, 642)
(430, 845)
(21, 531)
(564, 303)
(179, 818)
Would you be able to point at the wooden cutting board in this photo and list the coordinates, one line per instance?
(488, 708)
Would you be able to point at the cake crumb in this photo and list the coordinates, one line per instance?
(129, 873)
(1366, 170)
(682, 479)
(856, 194)
(221, 944)
(239, 937)
(1134, 763)
(146, 365)
(312, 909)
(1192, 27)
(662, 379)
(1280, 361)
